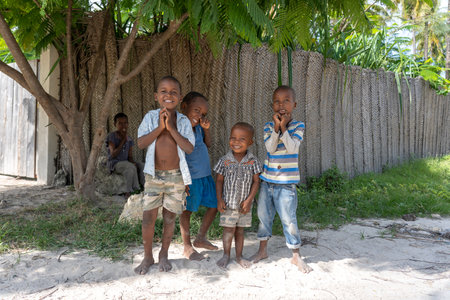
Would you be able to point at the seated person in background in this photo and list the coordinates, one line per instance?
(120, 155)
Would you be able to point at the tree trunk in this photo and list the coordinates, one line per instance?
(69, 120)
(87, 180)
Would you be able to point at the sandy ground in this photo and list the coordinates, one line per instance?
(359, 261)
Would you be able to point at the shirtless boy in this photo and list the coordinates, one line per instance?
(167, 135)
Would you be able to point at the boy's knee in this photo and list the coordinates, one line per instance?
(228, 232)
(146, 222)
(169, 217)
(186, 214)
(148, 217)
(240, 230)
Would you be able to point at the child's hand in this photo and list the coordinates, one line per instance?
(162, 117)
(168, 122)
(276, 118)
(245, 206)
(186, 189)
(221, 205)
(284, 121)
(123, 135)
(276, 122)
(204, 123)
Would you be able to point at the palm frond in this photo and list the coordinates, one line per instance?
(291, 26)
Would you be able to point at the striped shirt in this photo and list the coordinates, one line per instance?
(238, 177)
(281, 163)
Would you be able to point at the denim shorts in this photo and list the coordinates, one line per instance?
(202, 192)
(282, 199)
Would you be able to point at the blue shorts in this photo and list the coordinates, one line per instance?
(202, 192)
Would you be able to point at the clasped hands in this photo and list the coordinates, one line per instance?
(165, 119)
(281, 121)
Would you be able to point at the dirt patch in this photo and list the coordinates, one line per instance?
(18, 195)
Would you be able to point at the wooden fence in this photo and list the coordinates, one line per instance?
(354, 117)
(17, 127)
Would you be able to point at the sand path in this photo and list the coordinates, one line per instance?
(359, 261)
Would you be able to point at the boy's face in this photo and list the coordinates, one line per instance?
(240, 140)
(168, 94)
(196, 110)
(283, 102)
(122, 124)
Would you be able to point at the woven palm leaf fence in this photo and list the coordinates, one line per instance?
(354, 118)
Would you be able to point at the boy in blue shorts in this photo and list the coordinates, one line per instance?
(202, 191)
(278, 192)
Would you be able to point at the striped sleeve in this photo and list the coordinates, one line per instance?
(271, 138)
(268, 128)
(292, 137)
(298, 132)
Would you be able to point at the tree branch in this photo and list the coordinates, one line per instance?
(72, 85)
(125, 51)
(117, 80)
(173, 27)
(62, 109)
(108, 97)
(18, 77)
(15, 75)
(31, 79)
(40, 6)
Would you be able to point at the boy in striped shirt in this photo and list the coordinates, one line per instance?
(280, 175)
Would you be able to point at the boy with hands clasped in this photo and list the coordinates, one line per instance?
(278, 193)
(236, 184)
(167, 135)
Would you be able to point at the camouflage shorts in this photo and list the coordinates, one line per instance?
(166, 189)
(233, 218)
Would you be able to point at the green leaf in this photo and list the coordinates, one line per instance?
(258, 16)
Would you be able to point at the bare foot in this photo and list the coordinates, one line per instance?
(164, 264)
(244, 263)
(204, 243)
(144, 266)
(223, 262)
(301, 265)
(258, 256)
(191, 254)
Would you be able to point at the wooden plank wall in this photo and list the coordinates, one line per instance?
(17, 127)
